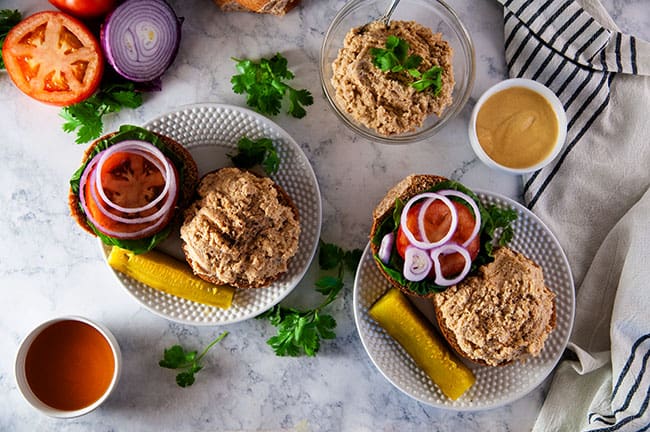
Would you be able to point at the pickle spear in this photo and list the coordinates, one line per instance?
(169, 275)
(404, 323)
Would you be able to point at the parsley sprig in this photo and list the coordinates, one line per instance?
(263, 83)
(395, 58)
(177, 358)
(300, 332)
(86, 117)
(8, 19)
(256, 152)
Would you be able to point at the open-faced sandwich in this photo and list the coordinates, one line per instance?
(432, 238)
(242, 230)
(130, 186)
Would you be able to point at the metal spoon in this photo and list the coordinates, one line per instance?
(385, 18)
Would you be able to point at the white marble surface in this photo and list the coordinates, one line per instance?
(49, 267)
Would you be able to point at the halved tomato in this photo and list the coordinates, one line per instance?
(130, 181)
(436, 224)
(85, 8)
(53, 58)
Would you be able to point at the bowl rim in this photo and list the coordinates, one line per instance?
(466, 42)
(21, 379)
(540, 89)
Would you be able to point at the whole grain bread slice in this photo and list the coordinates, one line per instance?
(187, 188)
(404, 190)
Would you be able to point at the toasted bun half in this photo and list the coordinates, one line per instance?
(412, 185)
(186, 189)
(503, 314)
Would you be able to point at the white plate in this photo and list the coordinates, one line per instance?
(210, 132)
(494, 386)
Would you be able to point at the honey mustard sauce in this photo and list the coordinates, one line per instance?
(517, 127)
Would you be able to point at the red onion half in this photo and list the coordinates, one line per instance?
(141, 38)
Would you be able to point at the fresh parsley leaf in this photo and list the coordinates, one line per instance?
(395, 58)
(86, 116)
(8, 19)
(264, 87)
(432, 77)
(300, 332)
(258, 152)
(176, 357)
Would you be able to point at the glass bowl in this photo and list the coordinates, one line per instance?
(434, 14)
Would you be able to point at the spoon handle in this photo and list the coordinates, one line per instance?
(389, 11)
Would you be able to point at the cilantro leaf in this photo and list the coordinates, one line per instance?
(86, 116)
(258, 152)
(176, 357)
(264, 87)
(8, 19)
(299, 332)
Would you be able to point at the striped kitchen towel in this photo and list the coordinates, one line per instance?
(594, 197)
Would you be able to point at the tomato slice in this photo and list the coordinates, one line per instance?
(436, 224)
(53, 58)
(129, 180)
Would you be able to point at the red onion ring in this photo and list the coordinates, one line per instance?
(161, 212)
(129, 146)
(417, 264)
(141, 38)
(472, 203)
(445, 250)
(386, 247)
(427, 244)
(120, 235)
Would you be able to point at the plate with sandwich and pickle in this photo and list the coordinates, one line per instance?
(207, 215)
(463, 299)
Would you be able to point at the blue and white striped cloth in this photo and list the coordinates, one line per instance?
(594, 196)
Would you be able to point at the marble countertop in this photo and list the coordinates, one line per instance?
(49, 267)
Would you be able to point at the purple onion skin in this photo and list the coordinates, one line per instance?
(149, 82)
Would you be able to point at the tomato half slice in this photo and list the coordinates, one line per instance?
(436, 223)
(53, 58)
(131, 181)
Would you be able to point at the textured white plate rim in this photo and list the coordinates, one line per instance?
(512, 396)
(310, 253)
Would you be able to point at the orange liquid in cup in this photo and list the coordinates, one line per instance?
(69, 365)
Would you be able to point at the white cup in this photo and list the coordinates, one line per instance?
(21, 376)
(539, 89)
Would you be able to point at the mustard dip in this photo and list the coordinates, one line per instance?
(517, 127)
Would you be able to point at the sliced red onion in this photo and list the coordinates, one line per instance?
(161, 212)
(409, 235)
(386, 247)
(417, 264)
(83, 183)
(472, 203)
(445, 250)
(141, 38)
(141, 148)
